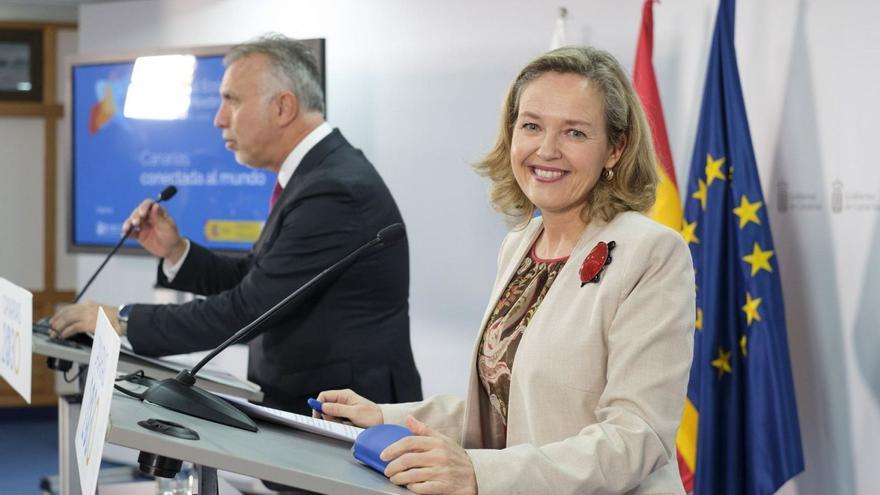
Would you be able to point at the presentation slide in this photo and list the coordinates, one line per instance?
(139, 129)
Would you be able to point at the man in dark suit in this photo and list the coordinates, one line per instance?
(350, 332)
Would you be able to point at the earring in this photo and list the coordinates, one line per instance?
(609, 174)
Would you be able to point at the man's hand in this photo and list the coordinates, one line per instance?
(429, 462)
(156, 231)
(82, 318)
(345, 406)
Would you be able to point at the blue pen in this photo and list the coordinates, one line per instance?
(315, 404)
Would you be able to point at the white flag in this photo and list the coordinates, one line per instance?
(558, 39)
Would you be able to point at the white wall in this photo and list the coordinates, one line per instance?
(21, 191)
(21, 201)
(418, 85)
(21, 11)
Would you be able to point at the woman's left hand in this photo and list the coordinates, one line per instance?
(429, 462)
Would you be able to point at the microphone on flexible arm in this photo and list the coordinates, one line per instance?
(165, 195)
(180, 393)
(42, 325)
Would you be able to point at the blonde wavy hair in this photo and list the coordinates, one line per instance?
(634, 185)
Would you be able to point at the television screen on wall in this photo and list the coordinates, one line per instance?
(142, 123)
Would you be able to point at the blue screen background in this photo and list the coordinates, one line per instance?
(118, 162)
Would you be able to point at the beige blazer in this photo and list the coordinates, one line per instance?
(600, 375)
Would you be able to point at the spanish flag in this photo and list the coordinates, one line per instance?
(667, 208)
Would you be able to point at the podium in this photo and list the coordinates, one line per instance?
(69, 402)
(274, 453)
(154, 368)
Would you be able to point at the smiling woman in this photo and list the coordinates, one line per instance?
(586, 97)
(560, 147)
(602, 351)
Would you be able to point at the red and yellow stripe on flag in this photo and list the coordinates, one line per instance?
(667, 208)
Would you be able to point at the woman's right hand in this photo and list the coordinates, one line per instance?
(345, 406)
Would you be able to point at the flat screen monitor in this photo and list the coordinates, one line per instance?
(141, 123)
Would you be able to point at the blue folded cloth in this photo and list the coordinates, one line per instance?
(372, 441)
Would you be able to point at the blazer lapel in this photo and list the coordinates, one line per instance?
(316, 155)
(532, 232)
(471, 433)
(310, 162)
(569, 276)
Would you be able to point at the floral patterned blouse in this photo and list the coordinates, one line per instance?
(501, 337)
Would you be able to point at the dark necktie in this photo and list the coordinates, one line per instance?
(276, 192)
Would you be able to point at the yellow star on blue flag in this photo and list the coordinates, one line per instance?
(713, 169)
(747, 212)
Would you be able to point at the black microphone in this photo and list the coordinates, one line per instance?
(180, 393)
(391, 234)
(165, 195)
(42, 326)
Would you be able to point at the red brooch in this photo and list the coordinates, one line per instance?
(595, 262)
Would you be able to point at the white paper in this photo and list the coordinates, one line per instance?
(330, 429)
(91, 430)
(16, 314)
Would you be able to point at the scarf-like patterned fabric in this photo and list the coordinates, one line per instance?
(501, 337)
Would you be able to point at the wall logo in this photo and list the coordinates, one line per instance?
(782, 196)
(837, 196)
(789, 199)
(850, 200)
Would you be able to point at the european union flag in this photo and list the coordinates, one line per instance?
(748, 438)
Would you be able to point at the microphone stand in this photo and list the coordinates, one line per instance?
(110, 255)
(180, 393)
(62, 364)
(165, 195)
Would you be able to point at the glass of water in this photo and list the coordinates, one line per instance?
(183, 483)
